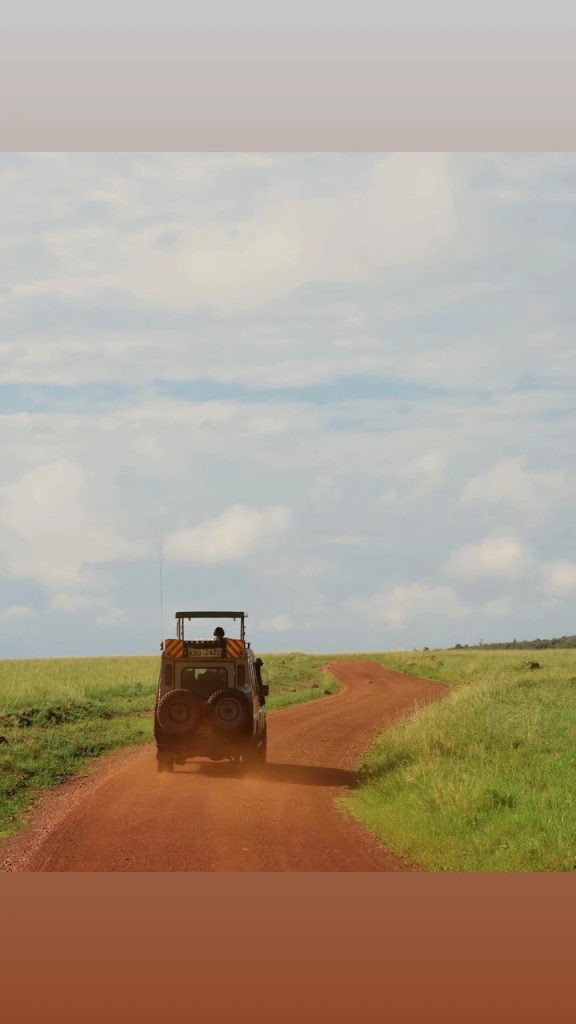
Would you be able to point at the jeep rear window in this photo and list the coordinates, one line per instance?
(192, 673)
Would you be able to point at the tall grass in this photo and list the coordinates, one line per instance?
(44, 682)
(485, 779)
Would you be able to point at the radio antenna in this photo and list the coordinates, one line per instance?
(161, 592)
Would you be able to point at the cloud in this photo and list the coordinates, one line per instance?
(559, 578)
(397, 210)
(107, 613)
(16, 612)
(233, 536)
(277, 623)
(427, 470)
(54, 528)
(402, 604)
(494, 557)
(412, 478)
(510, 482)
(499, 608)
(346, 540)
(298, 268)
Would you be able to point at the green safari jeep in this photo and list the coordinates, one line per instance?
(211, 698)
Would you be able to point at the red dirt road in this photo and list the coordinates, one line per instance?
(207, 816)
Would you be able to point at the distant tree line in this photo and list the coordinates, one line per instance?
(510, 645)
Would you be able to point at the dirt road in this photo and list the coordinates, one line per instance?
(208, 817)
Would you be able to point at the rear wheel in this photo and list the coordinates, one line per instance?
(256, 753)
(165, 761)
(262, 749)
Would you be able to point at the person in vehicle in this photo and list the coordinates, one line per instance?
(219, 634)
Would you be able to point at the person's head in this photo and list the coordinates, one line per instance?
(219, 633)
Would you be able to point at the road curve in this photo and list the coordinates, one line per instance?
(207, 816)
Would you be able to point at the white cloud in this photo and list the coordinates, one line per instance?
(559, 578)
(111, 615)
(233, 536)
(53, 528)
(106, 612)
(427, 470)
(346, 540)
(494, 557)
(16, 612)
(403, 604)
(181, 232)
(499, 608)
(397, 211)
(411, 478)
(510, 481)
(278, 623)
(390, 498)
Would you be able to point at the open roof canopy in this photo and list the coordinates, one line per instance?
(181, 616)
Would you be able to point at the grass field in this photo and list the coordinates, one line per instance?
(56, 714)
(484, 779)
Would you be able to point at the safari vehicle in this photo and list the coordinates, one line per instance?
(211, 698)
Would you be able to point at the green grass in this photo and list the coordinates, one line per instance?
(295, 678)
(57, 714)
(484, 779)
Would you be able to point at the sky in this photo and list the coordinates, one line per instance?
(335, 391)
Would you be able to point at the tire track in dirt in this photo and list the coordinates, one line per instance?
(208, 816)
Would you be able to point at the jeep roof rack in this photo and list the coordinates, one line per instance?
(181, 616)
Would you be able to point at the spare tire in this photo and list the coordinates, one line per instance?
(229, 712)
(179, 712)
